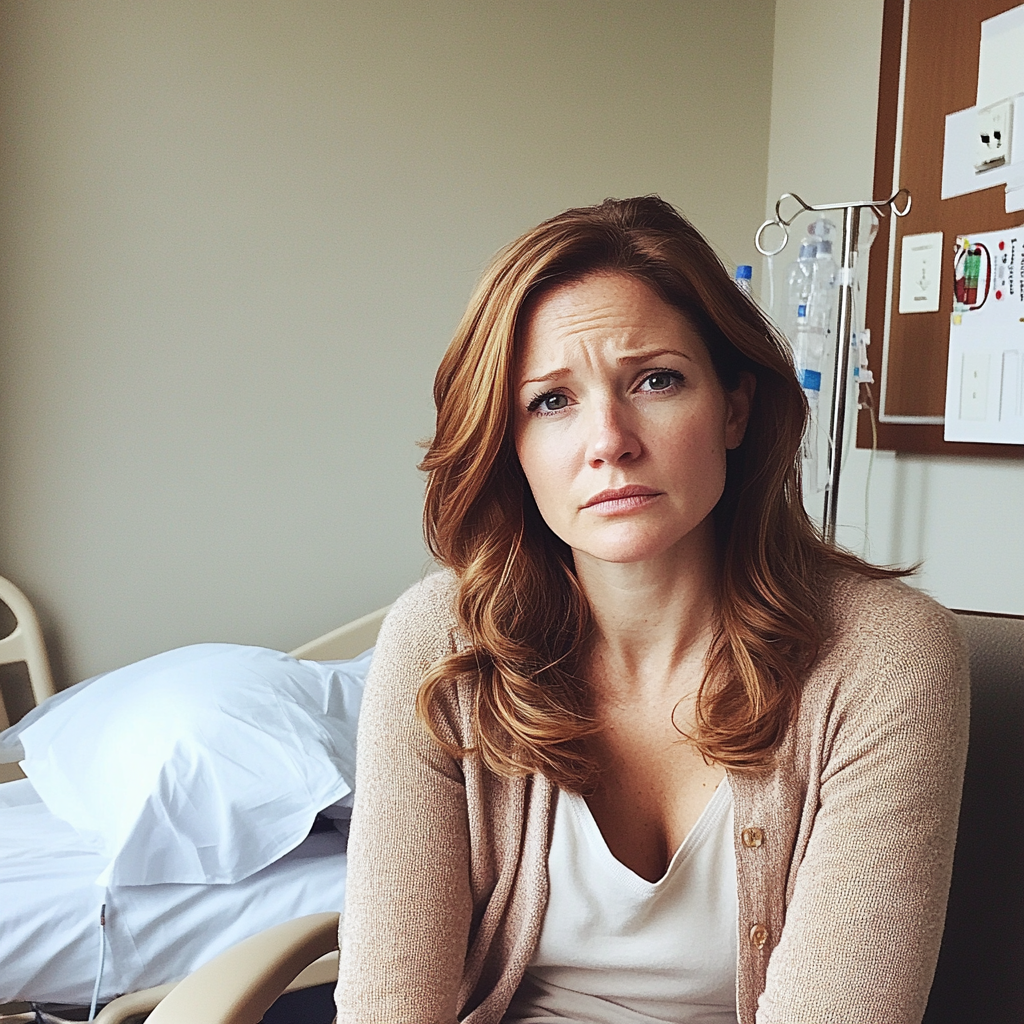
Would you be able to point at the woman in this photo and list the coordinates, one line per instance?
(647, 750)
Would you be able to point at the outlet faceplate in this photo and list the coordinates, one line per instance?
(992, 136)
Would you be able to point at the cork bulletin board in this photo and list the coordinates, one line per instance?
(930, 51)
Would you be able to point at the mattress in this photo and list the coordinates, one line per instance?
(50, 909)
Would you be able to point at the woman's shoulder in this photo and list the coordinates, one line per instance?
(423, 620)
(860, 604)
(432, 597)
(888, 628)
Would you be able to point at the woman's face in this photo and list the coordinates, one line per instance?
(621, 424)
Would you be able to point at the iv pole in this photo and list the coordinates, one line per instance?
(844, 327)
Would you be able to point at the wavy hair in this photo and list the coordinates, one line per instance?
(522, 613)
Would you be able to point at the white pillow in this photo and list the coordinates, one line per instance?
(201, 765)
(11, 749)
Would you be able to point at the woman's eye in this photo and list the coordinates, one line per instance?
(551, 402)
(661, 380)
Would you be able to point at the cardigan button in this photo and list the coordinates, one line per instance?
(758, 936)
(752, 837)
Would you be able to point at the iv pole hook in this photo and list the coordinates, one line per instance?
(880, 206)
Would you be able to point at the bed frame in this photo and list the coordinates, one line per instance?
(24, 643)
(346, 641)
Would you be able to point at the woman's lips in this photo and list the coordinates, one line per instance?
(621, 499)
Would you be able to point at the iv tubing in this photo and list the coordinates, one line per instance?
(99, 969)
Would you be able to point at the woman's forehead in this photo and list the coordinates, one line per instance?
(613, 316)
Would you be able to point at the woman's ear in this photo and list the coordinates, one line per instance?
(738, 403)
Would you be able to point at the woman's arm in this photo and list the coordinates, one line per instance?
(408, 904)
(867, 902)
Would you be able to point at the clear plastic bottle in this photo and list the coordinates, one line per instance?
(808, 354)
(810, 291)
(825, 276)
(811, 280)
(799, 280)
(744, 273)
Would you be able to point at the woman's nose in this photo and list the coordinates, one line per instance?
(612, 437)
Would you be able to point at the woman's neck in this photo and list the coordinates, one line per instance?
(653, 620)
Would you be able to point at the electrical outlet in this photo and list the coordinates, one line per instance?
(992, 137)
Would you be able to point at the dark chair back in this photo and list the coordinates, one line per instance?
(980, 977)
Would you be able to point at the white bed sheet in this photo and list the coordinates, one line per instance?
(49, 909)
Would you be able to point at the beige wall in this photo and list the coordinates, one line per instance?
(963, 519)
(235, 239)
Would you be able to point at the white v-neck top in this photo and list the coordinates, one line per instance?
(617, 949)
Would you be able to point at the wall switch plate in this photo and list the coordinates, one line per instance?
(920, 272)
(992, 136)
(974, 386)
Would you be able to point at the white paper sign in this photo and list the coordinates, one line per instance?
(1001, 58)
(1015, 188)
(985, 373)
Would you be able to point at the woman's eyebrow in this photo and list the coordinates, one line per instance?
(639, 357)
(642, 357)
(552, 375)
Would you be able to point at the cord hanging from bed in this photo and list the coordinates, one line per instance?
(102, 958)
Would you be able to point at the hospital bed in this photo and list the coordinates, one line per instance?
(165, 930)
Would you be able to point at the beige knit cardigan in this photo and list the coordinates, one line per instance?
(843, 849)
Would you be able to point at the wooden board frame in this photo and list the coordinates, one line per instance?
(938, 64)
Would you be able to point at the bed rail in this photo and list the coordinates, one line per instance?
(24, 643)
(346, 641)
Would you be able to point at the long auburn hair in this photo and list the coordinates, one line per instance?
(523, 616)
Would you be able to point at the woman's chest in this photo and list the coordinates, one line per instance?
(615, 946)
(653, 788)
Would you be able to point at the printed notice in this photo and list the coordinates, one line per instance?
(985, 374)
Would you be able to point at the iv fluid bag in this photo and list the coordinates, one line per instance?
(810, 307)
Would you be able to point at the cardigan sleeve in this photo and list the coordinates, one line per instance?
(867, 897)
(408, 900)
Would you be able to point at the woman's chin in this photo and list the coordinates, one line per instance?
(633, 544)
(627, 551)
